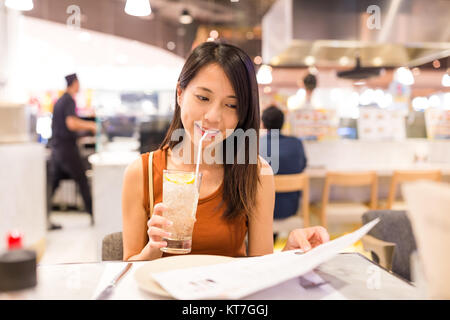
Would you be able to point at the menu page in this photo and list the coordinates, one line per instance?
(237, 279)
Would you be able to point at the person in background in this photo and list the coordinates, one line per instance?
(291, 160)
(310, 82)
(65, 159)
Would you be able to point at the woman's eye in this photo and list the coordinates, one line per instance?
(202, 98)
(233, 106)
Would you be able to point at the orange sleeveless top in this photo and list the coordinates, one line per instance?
(212, 234)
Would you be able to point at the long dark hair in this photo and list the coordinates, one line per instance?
(240, 180)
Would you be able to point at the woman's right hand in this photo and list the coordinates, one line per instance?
(155, 229)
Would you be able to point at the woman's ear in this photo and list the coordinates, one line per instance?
(179, 95)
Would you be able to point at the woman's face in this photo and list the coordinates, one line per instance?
(208, 103)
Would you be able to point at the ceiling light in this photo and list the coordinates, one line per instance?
(214, 34)
(84, 36)
(257, 60)
(264, 75)
(343, 61)
(185, 17)
(434, 101)
(377, 61)
(436, 64)
(22, 5)
(420, 103)
(138, 8)
(310, 60)
(404, 76)
(171, 45)
(446, 80)
(359, 83)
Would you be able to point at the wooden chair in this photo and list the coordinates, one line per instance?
(348, 209)
(400, 176)
(292, 183)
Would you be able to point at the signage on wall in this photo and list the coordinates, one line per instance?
(318, 124)
(437, 123)
(377, 124)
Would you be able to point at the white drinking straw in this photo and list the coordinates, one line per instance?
(199, 153)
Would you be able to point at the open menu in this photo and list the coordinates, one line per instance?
(237, 279)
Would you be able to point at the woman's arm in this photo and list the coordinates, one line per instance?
(260, 232)
(134, 217)
(142, 237)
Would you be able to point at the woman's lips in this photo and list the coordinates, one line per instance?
(211, 132)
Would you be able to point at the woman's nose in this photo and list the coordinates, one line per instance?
(214, 114)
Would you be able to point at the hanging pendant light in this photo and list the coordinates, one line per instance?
(185, 17)
(138, 8)
(22, 5)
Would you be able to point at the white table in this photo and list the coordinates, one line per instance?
(350, 274)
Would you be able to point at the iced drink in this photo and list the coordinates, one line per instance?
(180, 196)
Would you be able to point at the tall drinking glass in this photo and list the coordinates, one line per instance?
(180, 196)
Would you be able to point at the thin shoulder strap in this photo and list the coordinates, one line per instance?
(150, 181)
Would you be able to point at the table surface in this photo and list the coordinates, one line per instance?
(348, 275)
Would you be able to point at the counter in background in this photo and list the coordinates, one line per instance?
(381, 156)
(23, 193)
(107, 177)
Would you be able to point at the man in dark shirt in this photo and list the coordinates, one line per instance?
(291, 159)
(65, 160)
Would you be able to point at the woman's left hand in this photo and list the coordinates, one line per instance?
(306, 238)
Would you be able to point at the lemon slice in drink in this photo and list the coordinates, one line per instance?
(181, 178)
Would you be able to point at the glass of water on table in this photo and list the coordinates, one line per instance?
(180, 196)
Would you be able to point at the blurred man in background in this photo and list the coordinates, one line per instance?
(291, 160)
(65, 160)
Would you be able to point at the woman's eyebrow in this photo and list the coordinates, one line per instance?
(210, 91)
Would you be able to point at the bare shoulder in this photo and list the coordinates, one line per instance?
(134, 171)
(264, 167)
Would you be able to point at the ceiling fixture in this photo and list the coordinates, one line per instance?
(185, 17)
(377, 61)
(404, 76)
(257, 60)
(310, 60)
(138, 8)
(436, 64)
(446, 80)
(264, 75)
(343, 61)
(22, 5)
(358, 72)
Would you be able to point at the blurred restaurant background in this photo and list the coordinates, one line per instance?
(381, 103)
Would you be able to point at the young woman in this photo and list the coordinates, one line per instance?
(216, 91)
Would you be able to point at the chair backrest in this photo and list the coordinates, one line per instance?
(295, 182)
(400, 176)
(112, 247)
(349, 179)
(394, 226)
